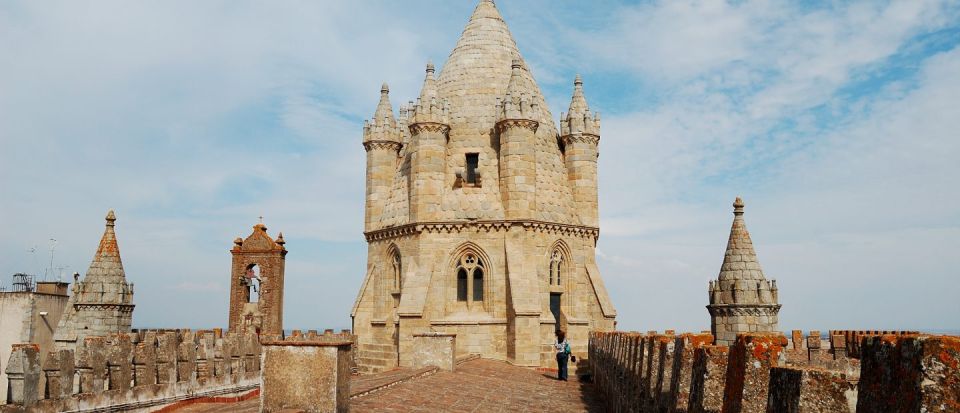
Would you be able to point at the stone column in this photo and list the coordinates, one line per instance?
(312, 376)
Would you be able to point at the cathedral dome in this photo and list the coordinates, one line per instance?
(477, 73)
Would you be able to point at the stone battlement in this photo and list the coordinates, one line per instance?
(652, 372)
(135, 371)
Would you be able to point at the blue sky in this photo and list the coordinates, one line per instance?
(836, 121)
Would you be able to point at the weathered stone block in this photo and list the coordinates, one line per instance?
(311, 376)
(809, 390)
(435, 349)
(23, 375)
(748, 371)
(909, 374)
(708, 379)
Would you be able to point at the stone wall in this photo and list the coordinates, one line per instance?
(311, 375)
(136, 371)
(897, 373)
(435, 349)
(27, 317)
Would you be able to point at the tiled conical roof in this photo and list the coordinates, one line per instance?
(740, 260)
(383, 126)
(106, 266)
(479, 68)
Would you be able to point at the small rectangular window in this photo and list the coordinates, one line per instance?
(473, 162)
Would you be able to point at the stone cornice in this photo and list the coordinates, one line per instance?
(580, 138)
(125, 308)
(388, 145)
(517, 123)
(478, 226)
(743, 309)
(429, 127)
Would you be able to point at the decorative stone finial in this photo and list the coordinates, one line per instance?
(738, 206)
(111, 218)
(520, 101)
(383, 128)
(430, 68)
(579, 120)
(280, 240)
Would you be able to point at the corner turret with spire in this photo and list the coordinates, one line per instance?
(102, 303)
(741, 299)
(580, 135)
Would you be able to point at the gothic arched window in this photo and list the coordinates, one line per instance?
(470, 272)
(557, 263)
(397, 270)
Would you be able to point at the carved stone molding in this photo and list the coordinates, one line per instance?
(126, 308)
(429, 127)
(517, 123)
(482, 226)
(380, 145)
(744, 310)
(580, 138)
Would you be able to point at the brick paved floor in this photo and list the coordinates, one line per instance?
(476, 386)
(483, 386)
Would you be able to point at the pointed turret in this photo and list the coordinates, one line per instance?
(578, 120)
(741, 299)
(382, 140)
(580, 135)
(102, 303)
(383, 127)
(520, 101)
(430, 109)
(106, 267)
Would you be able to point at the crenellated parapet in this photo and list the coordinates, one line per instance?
(757, 373)
(140, 369)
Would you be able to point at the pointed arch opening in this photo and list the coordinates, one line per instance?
(393, 281)
(470, 269)
(559, 263)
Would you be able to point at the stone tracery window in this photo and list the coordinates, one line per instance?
(556, 267)
(470, 272)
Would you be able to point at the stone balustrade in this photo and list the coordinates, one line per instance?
(133, 371)
(667, 373)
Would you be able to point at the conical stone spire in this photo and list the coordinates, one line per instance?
(383, 127)
(102, 303)
(519, 101)
(106, 266)
(430, 108)
(478, 72)
(741, 299)
(740, 260)
(578, 119)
